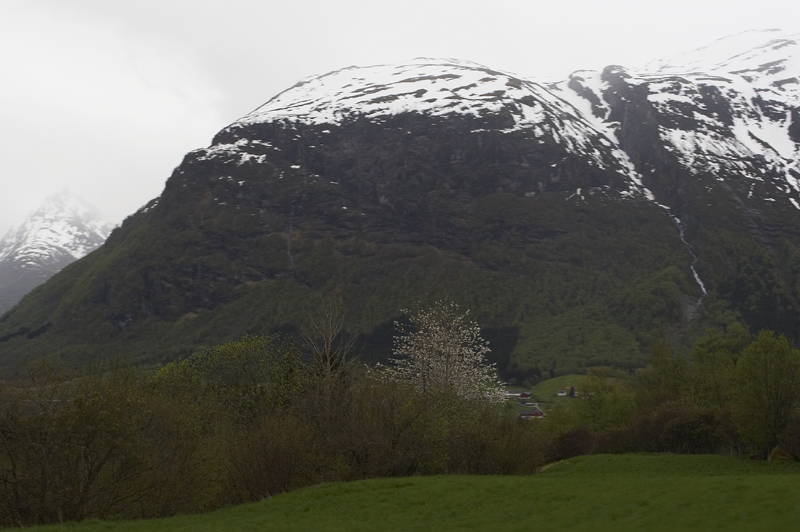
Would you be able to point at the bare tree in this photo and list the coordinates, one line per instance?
(325, 337)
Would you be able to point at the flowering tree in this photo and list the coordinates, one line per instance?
(442, 349)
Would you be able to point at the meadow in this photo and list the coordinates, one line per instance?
(547, 391)
(618, 493)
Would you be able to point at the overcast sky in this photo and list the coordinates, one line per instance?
(105, 97)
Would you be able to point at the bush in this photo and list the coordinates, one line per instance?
(573, 442)
(71, 446)
(279, 454)
(680, 428)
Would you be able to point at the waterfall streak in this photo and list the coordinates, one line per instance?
(691, 252)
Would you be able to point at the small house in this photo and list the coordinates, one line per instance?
(532, 413)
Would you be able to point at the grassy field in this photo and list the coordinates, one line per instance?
(547, 390)
(591, 493)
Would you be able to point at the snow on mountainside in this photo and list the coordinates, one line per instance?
(729, 109)
(431, 86)
(765, 59)
(438, 88)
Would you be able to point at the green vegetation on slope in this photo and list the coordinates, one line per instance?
(592, 493)
(415, 209)
(568, 288)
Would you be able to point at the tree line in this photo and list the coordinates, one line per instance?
(264, 415)
(243, 421)
(733, 393)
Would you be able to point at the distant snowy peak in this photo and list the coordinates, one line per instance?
(63, 228)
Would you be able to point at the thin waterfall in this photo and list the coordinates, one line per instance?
(691, 252)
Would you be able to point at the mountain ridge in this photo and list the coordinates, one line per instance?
(581, 220)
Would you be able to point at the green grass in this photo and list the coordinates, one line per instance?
(547, 390)
(592, 493)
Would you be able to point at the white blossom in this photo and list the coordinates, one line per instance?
(442, 350)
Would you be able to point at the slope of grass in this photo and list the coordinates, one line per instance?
(547, 390)
(597, 493)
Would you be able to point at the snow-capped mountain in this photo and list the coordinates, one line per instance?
(729, 110)
(436, 88)
(580, 220)
(63, 229)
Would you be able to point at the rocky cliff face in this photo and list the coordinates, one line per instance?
(62, 230)
(725, 115)
(580, 220)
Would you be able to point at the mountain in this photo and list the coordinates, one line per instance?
(580, 221)
(63, 229)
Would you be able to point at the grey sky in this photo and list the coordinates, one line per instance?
(106, 96)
